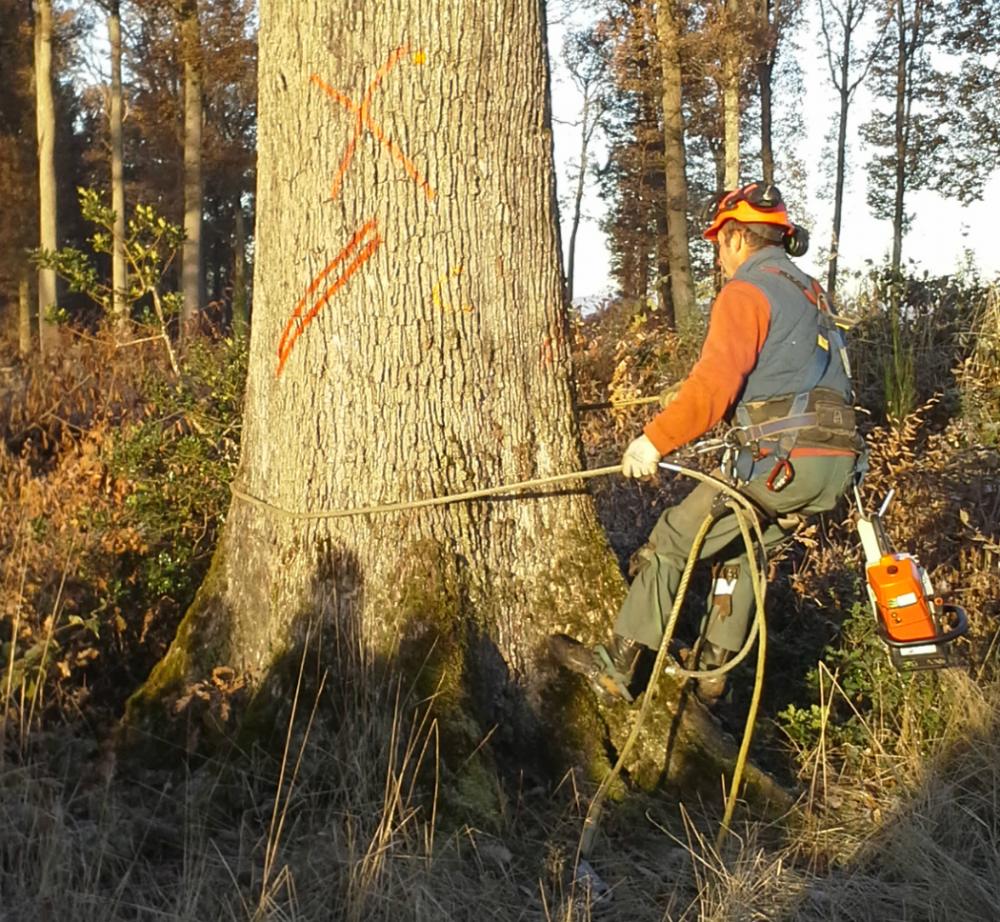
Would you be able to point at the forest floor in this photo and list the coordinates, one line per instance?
(113, 488)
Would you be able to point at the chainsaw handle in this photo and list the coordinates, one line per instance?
(960, 628)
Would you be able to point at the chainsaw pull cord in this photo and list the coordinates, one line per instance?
(743, 509)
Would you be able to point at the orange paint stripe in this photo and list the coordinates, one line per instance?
(321, 302)
(359, 235)
(408, 164)
(364, 119)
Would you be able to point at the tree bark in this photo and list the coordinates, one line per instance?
(119, 278)
(192, 268)
(47, 188)
(668, 29)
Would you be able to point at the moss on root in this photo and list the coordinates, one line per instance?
(434, 657)
(149, 728)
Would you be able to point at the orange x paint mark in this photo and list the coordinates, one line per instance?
(297, 322)
(364, 120)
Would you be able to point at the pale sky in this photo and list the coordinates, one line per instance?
(940, 232)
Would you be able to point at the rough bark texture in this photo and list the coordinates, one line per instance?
(675, 163)
(119, 281)
(46, 125)
(192, 270)
(406, 195)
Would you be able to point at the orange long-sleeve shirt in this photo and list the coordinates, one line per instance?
(737, 327)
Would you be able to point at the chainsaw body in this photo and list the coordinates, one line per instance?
(917, 626)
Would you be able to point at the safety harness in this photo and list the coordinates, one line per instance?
(814, 417)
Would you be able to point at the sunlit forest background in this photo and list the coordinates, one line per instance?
(128, 180)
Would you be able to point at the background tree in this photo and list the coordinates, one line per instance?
(585, 55)
(18, 166)
(119, 278)
(670, 25)
(966, 97)
(909, 137)
(192, 267)
(45, 115)
(841, 21)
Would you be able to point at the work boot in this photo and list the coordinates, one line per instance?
(608, 667)
(712, 656)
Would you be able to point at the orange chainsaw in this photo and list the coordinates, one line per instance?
(918, 626)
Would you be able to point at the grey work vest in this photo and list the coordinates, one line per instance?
(791, 358)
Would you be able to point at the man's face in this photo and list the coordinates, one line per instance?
(731, 246)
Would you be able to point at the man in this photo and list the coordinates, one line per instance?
(773, 363)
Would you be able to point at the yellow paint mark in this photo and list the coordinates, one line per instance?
(419, 57)
(440, 302)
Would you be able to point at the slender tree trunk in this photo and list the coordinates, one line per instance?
(192, 264)
(119, 278)
(838, 192)
(765, 71)
(764, 66)
(900, 146)
(241, 296)
(586, 133)
(24, 315)
(47, 189)
(731, 92)
(668, 28)
(664, 295)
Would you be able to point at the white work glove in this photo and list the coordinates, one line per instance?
(641, 458)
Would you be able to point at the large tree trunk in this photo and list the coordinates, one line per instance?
(668, 29)
(192, 268)
(119, 279)
(427, 356)
(47, 191)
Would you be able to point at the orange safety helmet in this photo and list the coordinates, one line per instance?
(755, 203)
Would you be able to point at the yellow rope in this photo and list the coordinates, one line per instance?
(741, 507)
(618, 404)
(423, 503)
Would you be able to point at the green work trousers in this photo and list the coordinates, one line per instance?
(818, 483)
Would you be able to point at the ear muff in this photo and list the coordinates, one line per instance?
(796, 241)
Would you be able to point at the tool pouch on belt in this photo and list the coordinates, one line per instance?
(769, 430)
(822, 419)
